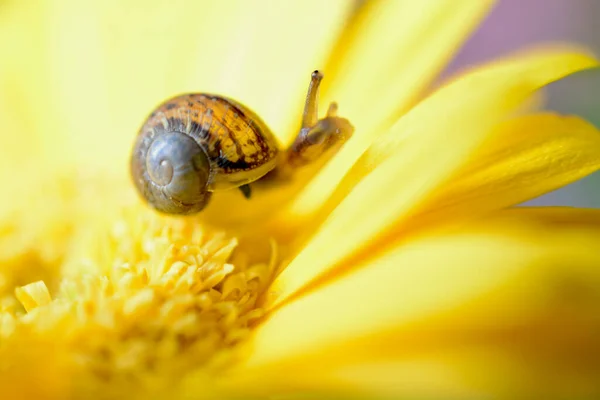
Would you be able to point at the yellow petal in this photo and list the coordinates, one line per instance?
(430, 144)
(527, 157)
(517, 287)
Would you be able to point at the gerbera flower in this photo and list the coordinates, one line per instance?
(399, 269)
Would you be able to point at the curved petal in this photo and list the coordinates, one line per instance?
(528, 157)
(419, 155)
(481, 303)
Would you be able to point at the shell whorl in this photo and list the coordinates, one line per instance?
(171, 171)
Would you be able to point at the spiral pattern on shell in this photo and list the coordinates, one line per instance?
(171, 171)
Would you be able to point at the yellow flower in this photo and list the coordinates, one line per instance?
(400, 269)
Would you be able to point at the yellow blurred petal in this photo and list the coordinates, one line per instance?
(513, 286)
(25, 112)
(107, 64)
(417, 156)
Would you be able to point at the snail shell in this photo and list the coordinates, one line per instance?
(194, 144)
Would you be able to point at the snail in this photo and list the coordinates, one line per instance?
(195, 144)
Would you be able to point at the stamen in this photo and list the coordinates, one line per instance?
(33, 295)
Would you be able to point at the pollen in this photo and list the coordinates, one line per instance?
(153, 298)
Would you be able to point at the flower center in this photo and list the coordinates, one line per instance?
(159, 297)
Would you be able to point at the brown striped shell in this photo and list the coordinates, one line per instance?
(195, 144)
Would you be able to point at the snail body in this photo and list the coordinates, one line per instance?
(195, 144)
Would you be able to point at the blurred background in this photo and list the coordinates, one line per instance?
(516, 24)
